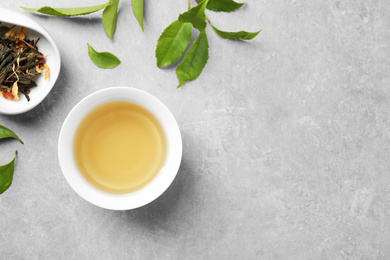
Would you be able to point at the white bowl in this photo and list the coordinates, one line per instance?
(47, 46)
(139, 197)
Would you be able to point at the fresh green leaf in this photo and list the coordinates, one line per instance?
(66, 12)
(241, 35)
(223, 5)
(104, 60)
(6, 175)
(109, 18)
(172, 43)
(196, 15)
(194, 60)
(138, 10)
(7, 133)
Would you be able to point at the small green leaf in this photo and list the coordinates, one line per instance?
(7, 133)
(196, 16)
(6, 174)
(104, 60)
(241, 35)
(194, 60)
(66, 12)
(138, 10)
(223, 5)
(172, 43)
(109, 18)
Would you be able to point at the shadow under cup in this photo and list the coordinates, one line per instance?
(89, 151)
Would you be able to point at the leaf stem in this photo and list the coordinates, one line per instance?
(189, 4)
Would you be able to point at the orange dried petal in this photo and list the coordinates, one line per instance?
(47, 71)
(19, 43)
(15, 90)
(11, 33)
(7, 95)
(22, 33)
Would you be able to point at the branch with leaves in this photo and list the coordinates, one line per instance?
(173, 41)
(175, 38)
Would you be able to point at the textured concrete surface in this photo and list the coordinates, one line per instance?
(286, 139)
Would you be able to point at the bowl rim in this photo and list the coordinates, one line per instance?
(154, 188)
(34, 26)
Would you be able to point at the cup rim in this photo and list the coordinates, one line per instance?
(154, 188)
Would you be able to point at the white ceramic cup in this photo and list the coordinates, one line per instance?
(139, 197)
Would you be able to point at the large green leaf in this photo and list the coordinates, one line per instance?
(194, 60)
(138, 10)
(196, 16)
(172, 43)
(241, 35)
(104, 60)
(7, 133)
(7, 174)
(109, 18)
(66, 12)
(223, 5)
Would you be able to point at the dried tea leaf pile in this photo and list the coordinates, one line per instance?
(20, 62)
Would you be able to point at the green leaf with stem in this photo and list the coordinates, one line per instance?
(138, 10)
(7, 133)
(7, 174)
(66, 12)
(223, 5)
(241, 35)
(194, 60)
(109, 18)
(104, 60)
(196, 16)
(172, 43)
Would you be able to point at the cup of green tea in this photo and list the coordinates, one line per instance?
(120, 148)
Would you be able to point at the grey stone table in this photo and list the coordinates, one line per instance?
(286, 139)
